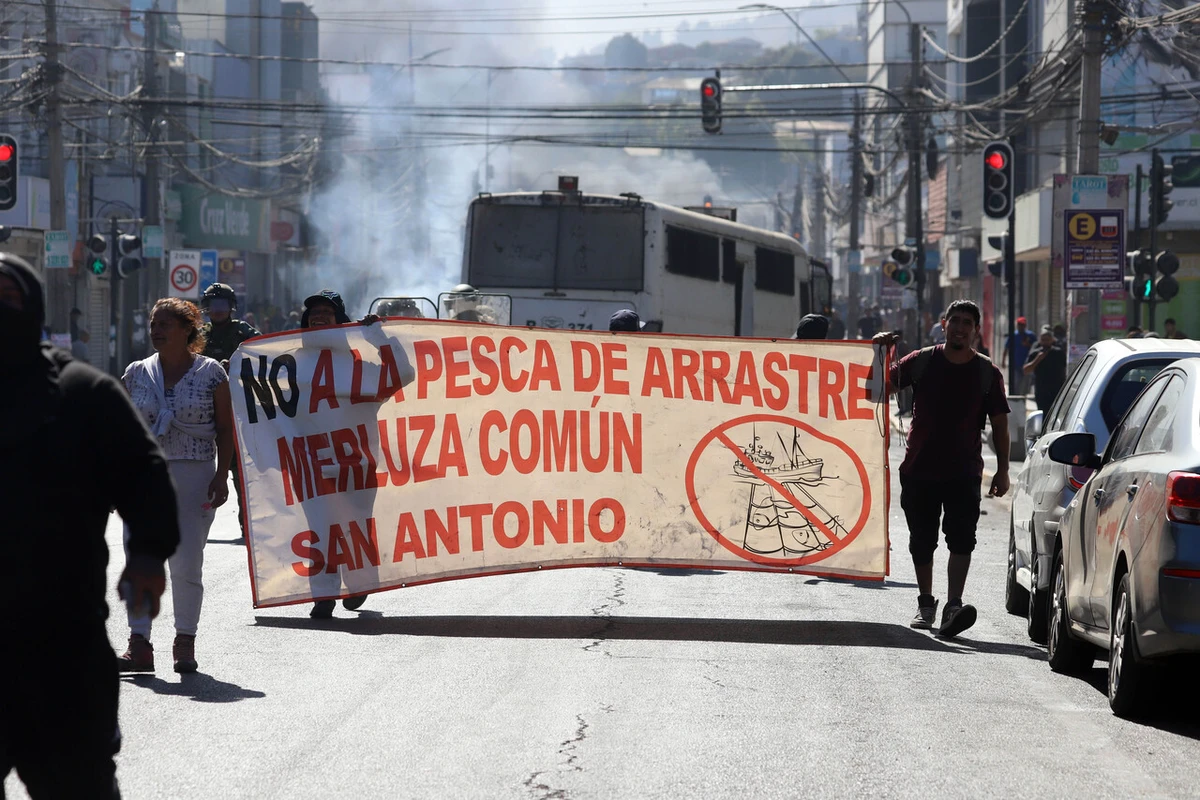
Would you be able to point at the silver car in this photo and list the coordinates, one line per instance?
(1095, 396)
(1126, 568)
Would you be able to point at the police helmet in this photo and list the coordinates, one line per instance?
(219, 291)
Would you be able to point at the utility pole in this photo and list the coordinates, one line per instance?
(817, 213)
(1089, 124)
(914, 227)
(59, 279)
(116, 288)
(1089, 94)
(151, 281)
(854, 273)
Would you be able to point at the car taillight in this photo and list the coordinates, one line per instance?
(1078, 476)
(1183, 497)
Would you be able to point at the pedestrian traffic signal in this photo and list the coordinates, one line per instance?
(1161, 185)
(901, 275)
(126, 244)
(710, 105)
(1166, 264)
(1141, 279)
(98, 260)
(8, 172)
(998, 180)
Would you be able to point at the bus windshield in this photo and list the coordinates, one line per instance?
(556, 247)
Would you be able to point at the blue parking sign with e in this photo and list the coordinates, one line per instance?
(208, 269)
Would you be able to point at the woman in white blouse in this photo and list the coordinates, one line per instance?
(184, 398)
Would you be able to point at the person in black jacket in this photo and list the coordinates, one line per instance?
(72, 448)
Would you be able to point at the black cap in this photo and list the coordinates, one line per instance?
(325, 296)
(812, 326)
(625, 320)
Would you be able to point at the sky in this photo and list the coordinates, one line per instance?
(544, 31)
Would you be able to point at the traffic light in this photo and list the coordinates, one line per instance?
(998, 180)
(710, 105)
(98, 247)
(901, 275)
(1166, 264)
(1161, 185)
(1141, 279)
(126, 244)
(8, 172)
(868, 185)
(904, 256)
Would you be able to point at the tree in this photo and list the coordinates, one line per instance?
(625, 51)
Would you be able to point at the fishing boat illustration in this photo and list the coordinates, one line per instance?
(775, 522)
(799, 467)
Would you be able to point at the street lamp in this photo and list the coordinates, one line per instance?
(812, 41)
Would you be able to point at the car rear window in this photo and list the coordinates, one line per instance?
(1124, 387)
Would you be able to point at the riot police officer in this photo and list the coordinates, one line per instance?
(223, 334)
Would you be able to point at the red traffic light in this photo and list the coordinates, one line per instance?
(709, 90)
(6, 152)
(996, 160)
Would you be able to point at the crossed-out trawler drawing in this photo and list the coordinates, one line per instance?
(775, 525)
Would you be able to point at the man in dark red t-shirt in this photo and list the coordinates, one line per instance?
(942, 471)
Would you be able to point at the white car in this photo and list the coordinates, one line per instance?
(1098, 391)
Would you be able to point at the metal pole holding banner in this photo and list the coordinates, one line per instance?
(1010, 277)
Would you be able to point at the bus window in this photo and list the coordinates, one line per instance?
(560, 247)
(600, 247)
(696, 255)
(774, 271)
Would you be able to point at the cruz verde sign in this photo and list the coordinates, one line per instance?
(214, 221)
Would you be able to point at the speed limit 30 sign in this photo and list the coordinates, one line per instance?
(184, 274)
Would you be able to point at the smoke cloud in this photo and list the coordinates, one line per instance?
(394, 212)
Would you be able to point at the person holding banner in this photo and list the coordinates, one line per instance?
(184, 398)
(955, 392)
(72, 447)
(322, 309)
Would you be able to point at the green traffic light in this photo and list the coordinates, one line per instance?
(903, 277)
(98, 266)
(1145, 288)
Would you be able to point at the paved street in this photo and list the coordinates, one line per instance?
(600, 683)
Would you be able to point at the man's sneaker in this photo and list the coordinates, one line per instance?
(138, 657)
(354, 603)
(956, 618)
(322, 609)
(926, 613)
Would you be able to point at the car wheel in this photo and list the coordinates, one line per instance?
(1065, 653)
(1128, 675)
(1016, 598)
(1036, 610)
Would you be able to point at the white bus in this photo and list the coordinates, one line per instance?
(569, 260)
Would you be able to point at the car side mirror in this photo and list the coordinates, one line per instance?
(1033, 426)
(1075, 450)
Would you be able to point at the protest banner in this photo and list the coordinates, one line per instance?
(404, 452)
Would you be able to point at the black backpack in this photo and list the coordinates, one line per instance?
(985, 375)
